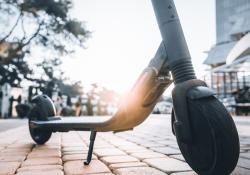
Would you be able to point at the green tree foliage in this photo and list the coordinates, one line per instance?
(27, 25)
(71, 89)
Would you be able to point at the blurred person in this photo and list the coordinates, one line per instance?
(68, 110)
(78, 106)
(69, 103)
(59, 103)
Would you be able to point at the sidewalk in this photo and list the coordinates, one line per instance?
(150, 149)
(6, 124)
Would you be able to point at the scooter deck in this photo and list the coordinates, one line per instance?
(71, 123)
(135, 108)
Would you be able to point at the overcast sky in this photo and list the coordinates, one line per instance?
(125, 37)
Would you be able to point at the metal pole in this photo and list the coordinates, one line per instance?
(217, 83)
(178, 57)
(237, 79)
(231, 82)
(212, 81)
(224, 84)
(171, 30)
(244, 79)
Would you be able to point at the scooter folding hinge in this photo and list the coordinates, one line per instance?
(159, 62)
(161, 82)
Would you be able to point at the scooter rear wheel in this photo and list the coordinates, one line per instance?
(42, 109)
(40, 136)
(215, 145)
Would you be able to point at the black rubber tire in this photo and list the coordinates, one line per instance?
(39, 136)
(215, 146)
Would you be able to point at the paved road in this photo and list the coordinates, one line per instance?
(6, 124)
(149, 149)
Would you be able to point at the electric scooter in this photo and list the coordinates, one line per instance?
(205, 131)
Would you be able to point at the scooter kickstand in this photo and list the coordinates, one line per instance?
(91, 146)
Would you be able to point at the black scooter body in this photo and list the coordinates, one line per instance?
(205, 131)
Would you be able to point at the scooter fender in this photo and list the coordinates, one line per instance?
(42, 109)
(200, 92)
(193, 89)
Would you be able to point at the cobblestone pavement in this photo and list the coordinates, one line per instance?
(149, 149)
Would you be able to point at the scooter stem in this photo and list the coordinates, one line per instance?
(179, 59)
(179, 63)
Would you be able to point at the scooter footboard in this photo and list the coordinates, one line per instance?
(133, 111)
(139, 102)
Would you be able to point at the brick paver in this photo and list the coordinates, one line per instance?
(241, 171)
(42, 161)
(45, 153)
(103, 174)
(12, 158)
(178, 156)
(166, 150)
(185, 173)
(138, 171)
(101, 152)
(245, 163)
(148, 154)
(44, 172)
(8, 168)
(78, 168)
(127, 165)
(40, 168)
(149, 149)
(168, 164)
(118, 159)
(69, 157)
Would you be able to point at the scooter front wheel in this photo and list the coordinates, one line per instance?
(215, 145)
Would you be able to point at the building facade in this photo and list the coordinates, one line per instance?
(232, 24)
(232, 19)
(229, 58)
